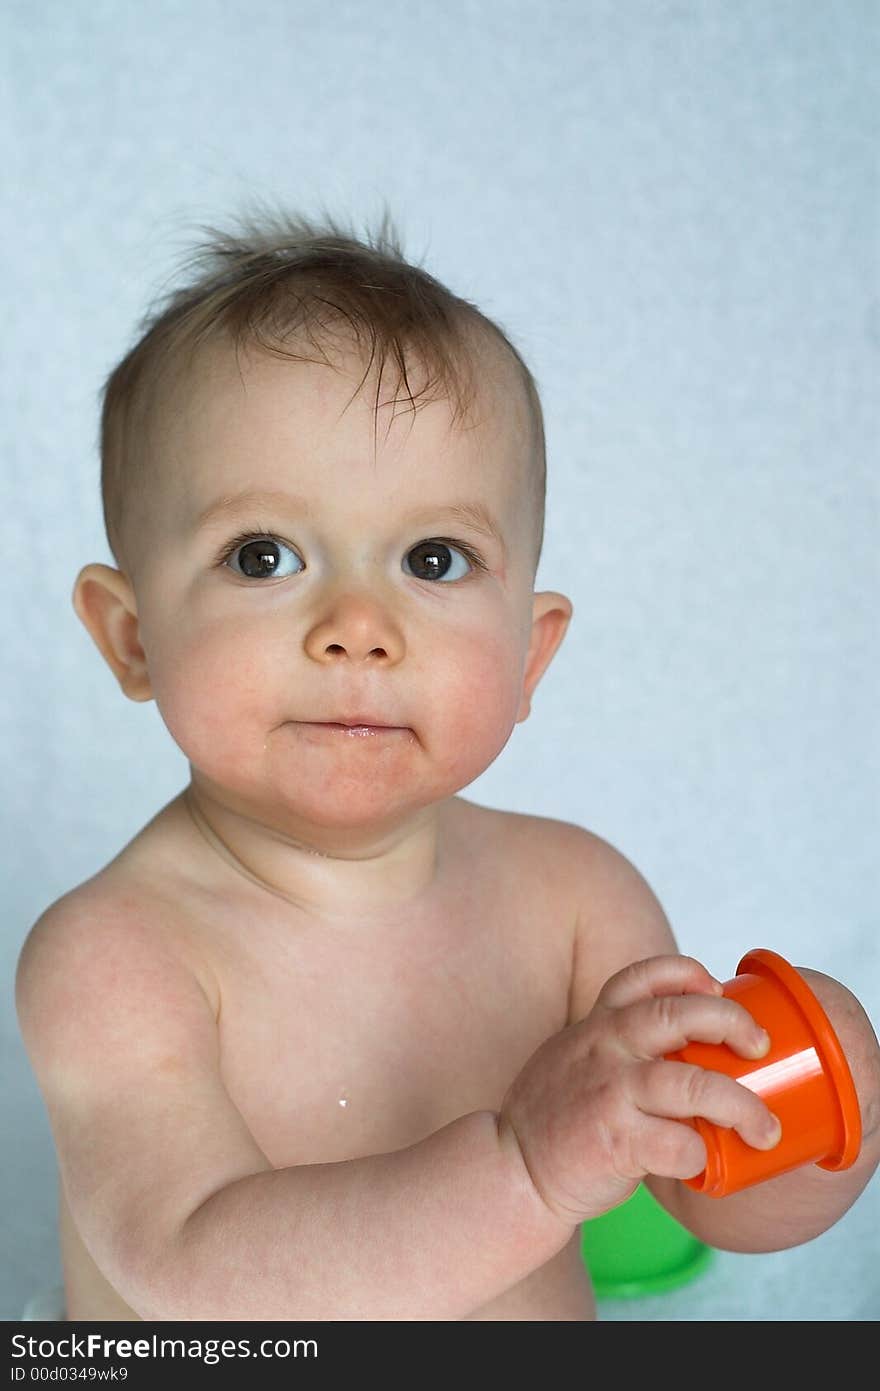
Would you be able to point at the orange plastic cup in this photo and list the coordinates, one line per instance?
(804, 1079)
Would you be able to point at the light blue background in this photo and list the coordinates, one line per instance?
(672, 208)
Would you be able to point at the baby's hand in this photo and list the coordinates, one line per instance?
(598, 1106)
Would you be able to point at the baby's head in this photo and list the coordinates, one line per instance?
(381, 567)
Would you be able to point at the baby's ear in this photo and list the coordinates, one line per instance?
(104, 602)
(551, 615)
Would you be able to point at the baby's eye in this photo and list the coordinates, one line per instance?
(433, 561)
(258, 557)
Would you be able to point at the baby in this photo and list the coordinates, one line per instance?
(326, 1040)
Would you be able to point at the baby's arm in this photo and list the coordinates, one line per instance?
(620, 922)
(797, 1206)
(179, 1206)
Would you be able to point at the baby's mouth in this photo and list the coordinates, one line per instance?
(354, 729)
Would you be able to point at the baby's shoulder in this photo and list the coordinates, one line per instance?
(619, 919)
(568, 860)
(108, 936)
(569, 857)
(540, 840)
(616, 916)
(76, 924)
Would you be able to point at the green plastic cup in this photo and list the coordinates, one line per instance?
(637, 1249)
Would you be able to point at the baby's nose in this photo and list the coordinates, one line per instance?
(357, 630)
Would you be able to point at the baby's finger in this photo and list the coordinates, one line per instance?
(657, 975)
(681, 1091)
(667, 1148)
(666, 1023)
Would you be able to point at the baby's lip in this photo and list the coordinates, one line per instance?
(353, 720)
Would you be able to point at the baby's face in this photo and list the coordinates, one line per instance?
(363, 596)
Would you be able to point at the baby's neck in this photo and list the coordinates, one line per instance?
(328, 875)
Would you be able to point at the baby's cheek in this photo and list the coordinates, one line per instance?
(480, 704)
(209, 697)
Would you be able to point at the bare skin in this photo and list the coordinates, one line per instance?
(403, 1058)
(352, 840)
(480, 1014)
(326, 1040)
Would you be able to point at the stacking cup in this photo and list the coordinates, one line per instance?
(804, 1079)
(637, 1248)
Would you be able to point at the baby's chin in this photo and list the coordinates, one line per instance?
(338, 781)
(362, 817)
(356, 808)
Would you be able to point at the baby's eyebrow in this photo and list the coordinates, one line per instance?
(231, 505)
(225, 509)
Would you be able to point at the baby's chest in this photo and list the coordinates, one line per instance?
(340, 1046)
